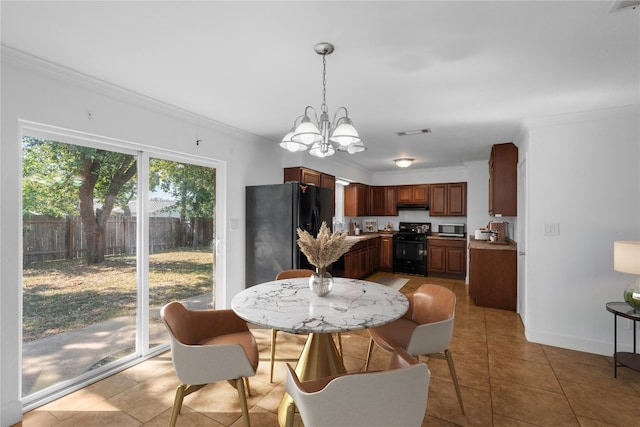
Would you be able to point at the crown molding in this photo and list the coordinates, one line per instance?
(43, 67)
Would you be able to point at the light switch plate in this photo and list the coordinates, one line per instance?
(551, 229)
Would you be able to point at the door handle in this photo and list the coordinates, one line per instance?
(522, 253)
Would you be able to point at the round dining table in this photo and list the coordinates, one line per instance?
(290, 305)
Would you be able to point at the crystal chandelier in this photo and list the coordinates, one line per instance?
(323, 138)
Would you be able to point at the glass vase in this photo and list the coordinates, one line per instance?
(321, 282)
(632, 295)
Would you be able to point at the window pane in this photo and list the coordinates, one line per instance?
(79, 262)
(181, 210)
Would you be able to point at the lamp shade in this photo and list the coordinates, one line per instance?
(319, 149)
(626, 256)
(290, 145)
(306, 133)
(345, 135)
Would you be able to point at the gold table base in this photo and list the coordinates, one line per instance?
(319, 358)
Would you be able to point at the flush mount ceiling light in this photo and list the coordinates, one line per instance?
(321, 137)
(404, 163)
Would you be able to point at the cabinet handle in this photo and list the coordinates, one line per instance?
(522, 253)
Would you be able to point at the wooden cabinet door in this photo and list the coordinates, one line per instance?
(457, 199)
(390, 201)
(503, 180)
(386, 253)
(421, 193)
(363, 199)
(308, 176)
(436, 259)
(327, 181)
(405, 194)
(376, 201)
(456, 260)
(438, 202)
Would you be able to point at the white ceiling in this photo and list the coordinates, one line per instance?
(470, 71)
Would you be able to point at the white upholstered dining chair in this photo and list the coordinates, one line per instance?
(209, 346)
(426, 329)
(395, 397)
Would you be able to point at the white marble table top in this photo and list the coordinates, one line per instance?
(289, 305)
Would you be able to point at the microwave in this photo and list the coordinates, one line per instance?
(452, 230)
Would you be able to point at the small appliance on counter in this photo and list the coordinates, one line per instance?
(483, 234)
(500, 231)
(370, 225)
(452, 230)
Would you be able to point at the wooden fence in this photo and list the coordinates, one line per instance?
(50, 238)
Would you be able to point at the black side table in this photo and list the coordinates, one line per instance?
(624, 358)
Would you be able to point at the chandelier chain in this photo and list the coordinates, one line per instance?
(324, 107)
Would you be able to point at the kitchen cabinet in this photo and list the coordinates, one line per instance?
(376, 201)
(390, 201)
(493, 279)
(447, 258)
(309, 176)
(356, 199)
(503, 180)
(448, 199)
(413, 194)
(362, 259)
(386, 253)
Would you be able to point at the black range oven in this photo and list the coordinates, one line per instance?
(410, 248)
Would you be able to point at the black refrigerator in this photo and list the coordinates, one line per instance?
(274, 212)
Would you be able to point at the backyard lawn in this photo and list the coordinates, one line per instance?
(63, 295)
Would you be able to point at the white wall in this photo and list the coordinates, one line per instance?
(61, 98)
(583, 174)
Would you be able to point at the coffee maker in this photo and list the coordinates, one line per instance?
(499, 229)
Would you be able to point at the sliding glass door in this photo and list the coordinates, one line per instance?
(110, 235)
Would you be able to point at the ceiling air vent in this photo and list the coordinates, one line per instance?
(413, 132)
(624, 4)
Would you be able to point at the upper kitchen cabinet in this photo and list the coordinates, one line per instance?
(503, 180)
(413, 194)
(356, 199)
(376, 201)
(448, 199)
(390, 201)
(309, 176)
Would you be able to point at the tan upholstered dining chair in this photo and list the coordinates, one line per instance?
(426, 328)
(395, 397)
(209, 346)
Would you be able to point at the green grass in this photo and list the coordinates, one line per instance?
(64, 295)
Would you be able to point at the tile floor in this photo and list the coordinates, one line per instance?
(505, 381)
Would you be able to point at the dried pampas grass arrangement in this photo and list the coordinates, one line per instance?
(324, 250)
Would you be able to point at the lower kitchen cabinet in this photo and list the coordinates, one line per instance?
(447, 258)
(386, 253)
(363, 259)
(493, 278)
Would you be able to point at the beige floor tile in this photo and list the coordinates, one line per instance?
(520, 349)
(592, 375)
(621, 409)
(532, 405)
(101, 419)
(443, 404)
(524, 372)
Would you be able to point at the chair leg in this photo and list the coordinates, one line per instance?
(340, 346)
(274, 332)
(247, 386)
(454, 377)
(182, 391)
(371, 344)
(243, 401)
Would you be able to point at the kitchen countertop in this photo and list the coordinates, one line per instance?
(435, 236)
(367, 236)
(484, 244)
